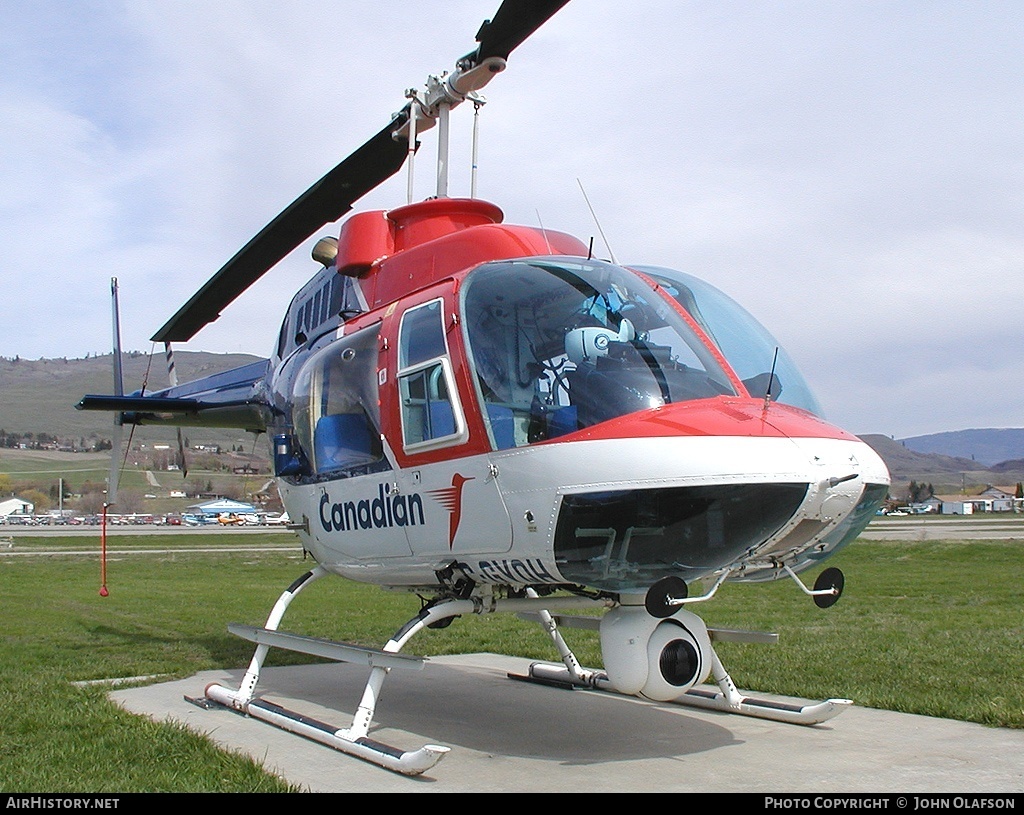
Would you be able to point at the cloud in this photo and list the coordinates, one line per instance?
(850, 172)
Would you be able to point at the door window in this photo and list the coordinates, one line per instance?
(431, 414)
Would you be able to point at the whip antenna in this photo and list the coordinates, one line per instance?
(771, 380)
(607, 246)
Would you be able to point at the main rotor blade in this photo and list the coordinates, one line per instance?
(513, 22)
(326, 201)
(334, 194)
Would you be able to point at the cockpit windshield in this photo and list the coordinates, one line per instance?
(751, 351)
(560, 345)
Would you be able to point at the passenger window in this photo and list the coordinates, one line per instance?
(335, 414)
(431, 415)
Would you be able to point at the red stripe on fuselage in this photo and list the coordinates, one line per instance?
(721, 416)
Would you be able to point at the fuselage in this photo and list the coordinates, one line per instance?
(547, 419)
(614, 512)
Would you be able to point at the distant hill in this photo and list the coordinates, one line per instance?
(987, 447)
(947, 473)
(1014, 465)
(39, 396)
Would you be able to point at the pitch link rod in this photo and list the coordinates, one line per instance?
(448, 91)
(434, 105)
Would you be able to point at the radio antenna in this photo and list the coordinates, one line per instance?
(593, 214)
(544, 232)
(771, 380)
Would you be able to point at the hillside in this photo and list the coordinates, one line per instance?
(39, 396)
(947, 473)
(986, 446)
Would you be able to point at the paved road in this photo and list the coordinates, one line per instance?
(17, 530)
(942, 528)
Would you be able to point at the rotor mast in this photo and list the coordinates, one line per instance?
(434, 105)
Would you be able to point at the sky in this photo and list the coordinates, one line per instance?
(851, 172)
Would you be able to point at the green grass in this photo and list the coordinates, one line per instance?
(923, 627)
(44, 469)
(930, 628)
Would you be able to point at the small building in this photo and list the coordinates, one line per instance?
(998, 499)
(957, 507)
(15, 506)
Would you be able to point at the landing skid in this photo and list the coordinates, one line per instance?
(703, 696)
(404, 762)
(353, 740)
(726, 699)
(806, 713)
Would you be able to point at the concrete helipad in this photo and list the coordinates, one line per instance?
(508, 736)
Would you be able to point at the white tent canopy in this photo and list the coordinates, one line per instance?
(221, 505)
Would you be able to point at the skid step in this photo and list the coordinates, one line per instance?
(328, 649)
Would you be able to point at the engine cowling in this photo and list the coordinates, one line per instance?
(659, 659)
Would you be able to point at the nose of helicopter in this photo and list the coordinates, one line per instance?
(693, 488)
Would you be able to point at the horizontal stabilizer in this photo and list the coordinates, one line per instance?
(233, 398)
(143, 404)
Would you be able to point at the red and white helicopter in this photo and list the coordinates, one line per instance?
(489, 416)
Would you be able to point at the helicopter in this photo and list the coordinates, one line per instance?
(493, 418)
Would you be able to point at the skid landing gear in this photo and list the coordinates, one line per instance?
(685, 649)
(726, 698)
(354, 740)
